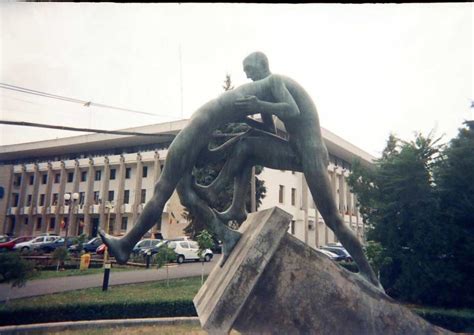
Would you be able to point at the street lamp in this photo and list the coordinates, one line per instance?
(105, 283)
(70, 199)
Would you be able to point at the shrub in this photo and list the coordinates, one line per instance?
(14, 269)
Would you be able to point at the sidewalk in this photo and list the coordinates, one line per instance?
(56, 285)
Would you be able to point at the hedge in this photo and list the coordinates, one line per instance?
(97, 311)
(456, 321)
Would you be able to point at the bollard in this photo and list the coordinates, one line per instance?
(105, 283)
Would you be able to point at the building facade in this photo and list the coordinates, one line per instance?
(113, 177)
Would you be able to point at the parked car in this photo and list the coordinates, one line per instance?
(189, 250)
(8, 245)
(144, 244)
(154, 250)
(340, 251)
(90, 246)
(101, 249)
(51, 246)
(4, 238)
(331, 255)
(35, 243)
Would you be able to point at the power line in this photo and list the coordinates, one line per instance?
(100, 131)
(73, 100)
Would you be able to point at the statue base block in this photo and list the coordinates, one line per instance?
(272, 283)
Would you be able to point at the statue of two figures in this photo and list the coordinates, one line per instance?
(269, 95)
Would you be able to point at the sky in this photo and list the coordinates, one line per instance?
(371, 69)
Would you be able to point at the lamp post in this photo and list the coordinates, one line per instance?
(105, 283)
(70, 199)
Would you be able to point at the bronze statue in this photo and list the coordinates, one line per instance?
(304, 151)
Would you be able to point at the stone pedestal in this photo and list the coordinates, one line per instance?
(272, 283)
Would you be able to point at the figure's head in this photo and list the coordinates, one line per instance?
(256, 66)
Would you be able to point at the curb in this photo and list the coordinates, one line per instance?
(75, 325)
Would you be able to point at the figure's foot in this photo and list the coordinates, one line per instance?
(115, 247)
(232, 215)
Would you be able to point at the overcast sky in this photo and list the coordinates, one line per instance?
(371, 69)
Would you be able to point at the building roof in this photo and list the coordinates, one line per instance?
(336, 145)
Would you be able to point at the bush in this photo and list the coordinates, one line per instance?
(74, 312)
(14, 269)
(454, 320)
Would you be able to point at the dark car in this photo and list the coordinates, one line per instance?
(51, 246)
(340, 251)
(8, 245)
(154, 249)
(144, 244)
(89, 246)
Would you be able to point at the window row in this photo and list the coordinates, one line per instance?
(83, 177)
(81, 201)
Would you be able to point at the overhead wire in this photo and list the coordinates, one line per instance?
(73, 100)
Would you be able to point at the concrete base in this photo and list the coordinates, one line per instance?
(272, 283)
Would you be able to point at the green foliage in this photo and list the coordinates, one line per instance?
(60, 254)
(80, 240)
(205, 241)
(164, 256)
(375, 254)
(460, 321)
(400, 205)
(14, 269)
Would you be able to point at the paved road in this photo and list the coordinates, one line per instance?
(63, 284)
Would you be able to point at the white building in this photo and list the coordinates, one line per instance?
(119, 170)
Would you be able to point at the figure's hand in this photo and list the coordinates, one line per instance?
(249, 103)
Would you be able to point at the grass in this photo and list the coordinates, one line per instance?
(179, 289)
(76, 272)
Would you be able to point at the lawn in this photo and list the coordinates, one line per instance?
(76, 272)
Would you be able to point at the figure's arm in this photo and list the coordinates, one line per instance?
(267, 125)
(284, 107)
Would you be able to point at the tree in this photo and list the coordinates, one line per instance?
(206, 174)
(60, 255)
(455, 180)
(205, 241)
(165, 255)
(14, 269)
(399, 203)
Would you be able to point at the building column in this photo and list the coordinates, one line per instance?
(21, 195)
(119, 202)
(104, 195)
(156, 175)
(304, 203)
(48, 202)
(60, 212)
(89, 198)
(355, 211)
(34, 200)
(138, 189)
(6, 175)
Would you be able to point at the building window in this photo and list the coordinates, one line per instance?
(293, 196)
(98, 175)
(28, 199)
(82, 197)
(292, 227)
(42, 198)
(128, 173)
(38, 224)
(26, 221)
(70, 177)
(17, 180)
(111, 196)
(57, 176)
(143, 196)
(44, 179)
(126, 196)
(32, 179)
(55, 199)
(281, 194)
(96, 197)
(124, 223)
(145, 171)
(52, 223)
(16, 199)
(112, 174)
(83, 175)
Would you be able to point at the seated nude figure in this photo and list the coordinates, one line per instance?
(304, 151)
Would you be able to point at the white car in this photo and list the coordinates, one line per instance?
(35, 243)
(189, 250)
(330, 254)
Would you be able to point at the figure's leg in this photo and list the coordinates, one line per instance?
(315, 171)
